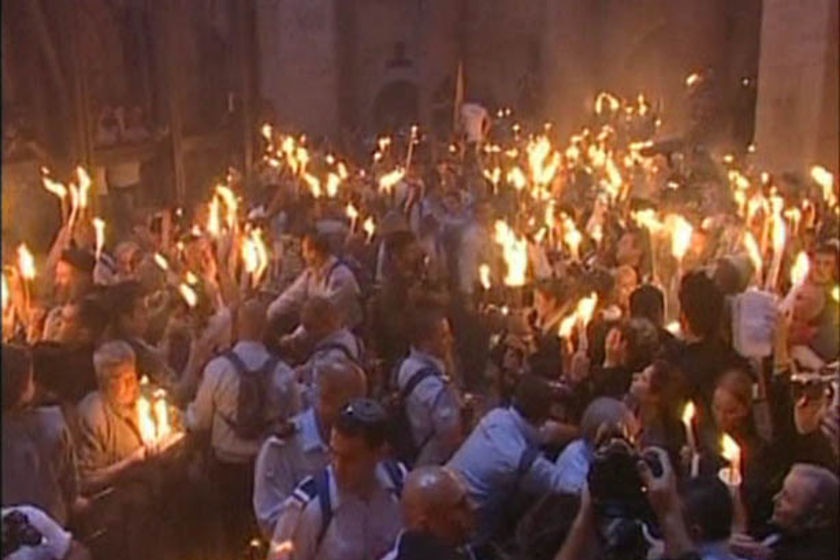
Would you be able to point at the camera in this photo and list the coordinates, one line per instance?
(18, 532)
(619, 499)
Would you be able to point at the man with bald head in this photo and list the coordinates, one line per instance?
(438, 517)
(217, 409)
(286, 459)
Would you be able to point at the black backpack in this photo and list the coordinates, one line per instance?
(250, 422)
(400, 435)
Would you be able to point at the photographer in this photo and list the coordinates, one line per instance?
(583, 542)
(30, 534)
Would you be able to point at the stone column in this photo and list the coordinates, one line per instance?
(796, 112)
(298, 67)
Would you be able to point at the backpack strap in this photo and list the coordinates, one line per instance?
(235, 361)
(396, 474)
(322, 489)
(338, 346)
(526, 460)
(416, 378)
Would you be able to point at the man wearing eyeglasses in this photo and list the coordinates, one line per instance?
(350, 510)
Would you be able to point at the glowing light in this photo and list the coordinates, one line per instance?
(188, 294)
(84, 186)
(799, 270)
(161, 261)
(99, 227)
(389, 180)
(825, 180)
(26, 262)
(688, 413)
(483, 275)
(681, 232)
(514, 252)
(369, 228)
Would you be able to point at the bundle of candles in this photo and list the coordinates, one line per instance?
(155, 418)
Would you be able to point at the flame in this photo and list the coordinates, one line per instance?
(285, 547)
(333, 182)
(84, 186)
(389, 180)
(254, 253)
(145, 421)
(835, 293)
(267, 132)
(231, 204)
(54, 187)
(26, 262)
(567, 325)
(342, 171)
(688, 413)
(99, 227)
(571, 236)
(5, 294)
(681, 232)
(538, 151)
(314, 184)
(214, 217)
(779, 235)
(493, 176)
(514, 252)
(189, 295)
(516, 177)
(608, 99)
(161, 261)
(753, 251)
(161, 409)
(351, 212)
(693, 79)
(191, 278)
(673, 327)
(384, 142)
(799, 270)
(825, 179)
(730, 450)
(586, 307)
(483, 274)
(369, 227)
(649, 219)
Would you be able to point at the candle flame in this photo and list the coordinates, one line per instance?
(389, 180)
(693, 79)
(779, 235)
(483, 275)
(84, 186)
(586, 307)
(214, 227)
(231, 204)
(267, 132)
(351, 212)
(514, 252)
(835, 293)
(99, 227)
(161, 409)
(681, 232)
(5, 294)
(314, 184)
(729, 449)
(145, 421)
(688, 413)
(161, 261)
(342, 171)
(26, 262)
(673, 327)
(825, 180)
(333, 182)
(188, 294)
(191, 278)
(606, 100)
(369, 227)
(54, 187)
(799, 270)
(567, 325)
(516, 177)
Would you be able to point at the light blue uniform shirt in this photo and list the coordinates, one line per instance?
(490, 463)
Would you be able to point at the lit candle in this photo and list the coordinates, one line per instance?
(688, 421)
(145, 421)
(731, 475)
(99, 227)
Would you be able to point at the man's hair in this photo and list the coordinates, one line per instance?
(92, 315)
(824, 505)
(424, 324)
(701, 301)
(648, 302)
(532, 398)
(708, 504)
(318, 240)
(17, 367)
(603, 410)
(364, 418)
(109, 356)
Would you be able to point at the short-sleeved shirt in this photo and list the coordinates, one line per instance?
(360, 529)
(490, 464)
(433, 408)
(39, 461)
(283, 463)
(215, 405)
(106, 435)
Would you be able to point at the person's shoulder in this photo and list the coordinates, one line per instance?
(92, 406)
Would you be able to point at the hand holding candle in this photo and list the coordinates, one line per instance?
(730, 475)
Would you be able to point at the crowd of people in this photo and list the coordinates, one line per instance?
(485, 349)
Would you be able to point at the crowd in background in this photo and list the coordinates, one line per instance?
(382, 385)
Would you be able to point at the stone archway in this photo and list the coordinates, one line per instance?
(396, 105)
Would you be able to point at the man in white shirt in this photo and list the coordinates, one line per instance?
(284, 462)
(220, 408)
(324, 276)
(350, 510)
